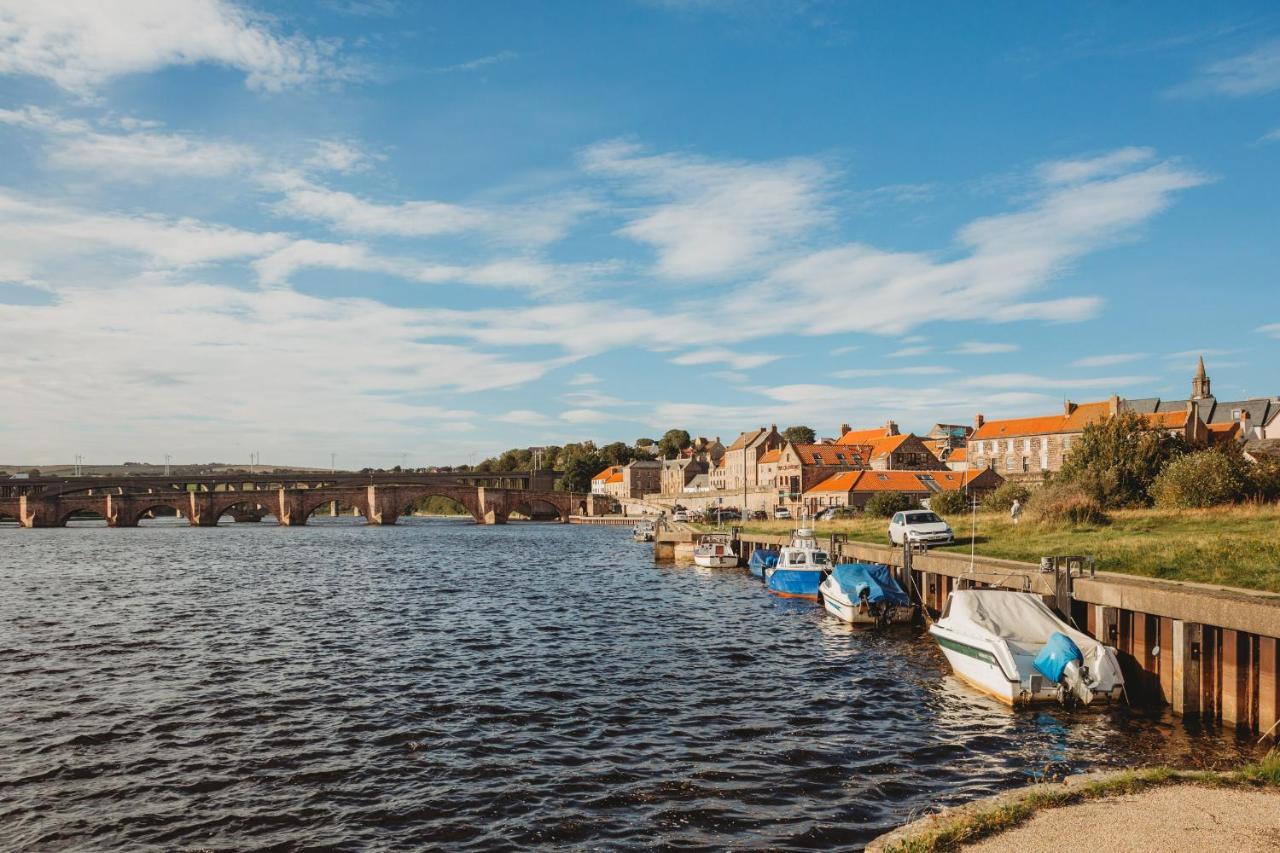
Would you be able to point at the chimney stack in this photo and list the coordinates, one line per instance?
(844, 429)
(1068, 407)
(978, 421)
(1244, 424)
(1113, 405)
(890, 428)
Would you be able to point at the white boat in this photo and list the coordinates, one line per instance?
(800, 568)
(642, 531)
(1012, 646)
(866, 594)
(715, 551)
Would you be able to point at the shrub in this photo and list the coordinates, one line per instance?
(1263, 479)
(1066, 504)
(1002, 498)
(949, 503)
(1199, 479)
(885, 504)
(1117, 459)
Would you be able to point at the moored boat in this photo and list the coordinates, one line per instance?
(762, 559)
(800, 567)
(642, 531)
(866, 594)
(1012, 646)
(715, 551)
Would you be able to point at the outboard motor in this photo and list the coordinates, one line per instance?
(1062, 663)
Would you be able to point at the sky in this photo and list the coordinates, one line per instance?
(427, 232)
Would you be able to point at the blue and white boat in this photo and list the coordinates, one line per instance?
(866, 594)
(800, 567)
(762, 559)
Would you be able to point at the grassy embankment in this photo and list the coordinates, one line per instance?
(972, 826)
(1233, 546)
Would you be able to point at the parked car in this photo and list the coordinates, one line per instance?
(759, 515)
(724, 513)
(781, 512)
(834, 512)
(920, 525)
(679, 515)
(697, 516)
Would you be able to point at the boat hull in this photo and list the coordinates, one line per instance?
(794, 583)
(715, 561)
(847, 611)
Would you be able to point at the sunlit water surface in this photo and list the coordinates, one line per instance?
(442, 684)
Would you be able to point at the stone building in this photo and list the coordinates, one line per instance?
(1257, 417)
(600, 482)
(740, 458)
(891, 450)
(678, 473)
(641, 477)
(855, 488)
(1029, 448)
(799, 467)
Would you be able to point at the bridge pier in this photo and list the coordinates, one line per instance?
(293, 511)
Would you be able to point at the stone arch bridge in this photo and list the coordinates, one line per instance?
(379, 504)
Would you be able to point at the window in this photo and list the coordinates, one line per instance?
(1009, 464)
(1235, 414)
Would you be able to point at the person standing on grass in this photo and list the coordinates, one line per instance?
(1015, 511)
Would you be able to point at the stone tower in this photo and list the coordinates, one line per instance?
(1200, 384)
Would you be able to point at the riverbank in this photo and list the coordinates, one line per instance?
(1154, 809)
(1232, 546)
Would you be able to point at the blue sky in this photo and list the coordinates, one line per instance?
(375, 227)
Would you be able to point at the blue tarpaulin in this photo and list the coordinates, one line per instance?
(795, 582)
(1056, 654)
(875, 578)
(761, 559)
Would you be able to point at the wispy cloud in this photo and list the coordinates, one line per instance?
(1271, 330)
(477, 64)
(983, 348)
(584, 416)
(585, 379)
(1108, 360)
(1032, 382)
(81, 44)
(719, 355)
(1255, 72)
(863, 372)
(910, 352)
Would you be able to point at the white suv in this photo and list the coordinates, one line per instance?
(679, 515)
(781, 512)
(920, 525)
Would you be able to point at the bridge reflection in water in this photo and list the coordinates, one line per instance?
(381, 499)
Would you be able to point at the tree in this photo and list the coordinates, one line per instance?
(672, 442)
(1117, 460)
(578, 472)
(645, 442)
(1200, 479)
(885, 504)
(800, 435)
(618, 453)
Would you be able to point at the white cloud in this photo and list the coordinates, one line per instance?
(710, 219)
(1086, 169)
(1108, 360)
(983, 348)
(349, 213)
(525, 417)
(332, 155)
(478, 63)
(1031, 381)
(81, 44)
(584, 416)
(1273, 136)
(910, 352)
(865, 372)
(1271, 329)
(719, 355)
(1254, 73)
(585, 379)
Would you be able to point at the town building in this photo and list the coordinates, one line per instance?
(798, 467)
(1257, 417)
(891, 450)
(855, 488)
(740, 458)
(678, 473)
(945, 439)
(1029, 448)
(641, 477)
(600, 481)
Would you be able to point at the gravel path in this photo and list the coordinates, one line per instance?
(1172, 819)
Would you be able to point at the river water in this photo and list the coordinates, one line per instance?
(440, 684)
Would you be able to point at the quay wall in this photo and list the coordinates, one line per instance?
(1206, 651)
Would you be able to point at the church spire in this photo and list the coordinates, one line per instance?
(1200, 384)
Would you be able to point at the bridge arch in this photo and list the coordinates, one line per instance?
(531, 507)
(407, 498)
(79, 513)
(359, 507)
(141, 510)
(249, 504)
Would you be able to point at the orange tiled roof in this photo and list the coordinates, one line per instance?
(960, 454)
(745, 439)
(769, 456)
(606, 473)
(832, 455)
(895, 481)
(1170, 420)
(887, 444)
(862, 436)
(615, 477)
(1083, 414)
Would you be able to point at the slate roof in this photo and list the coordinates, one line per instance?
(1212, 410)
